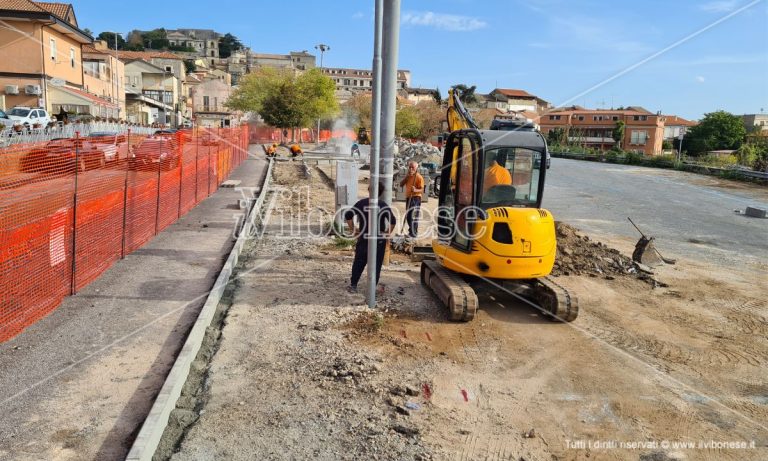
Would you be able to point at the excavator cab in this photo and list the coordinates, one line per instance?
(487, 170)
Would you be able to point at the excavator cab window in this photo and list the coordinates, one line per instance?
(457, 213)
(511, 177)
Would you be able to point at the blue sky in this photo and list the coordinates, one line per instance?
(567, 52)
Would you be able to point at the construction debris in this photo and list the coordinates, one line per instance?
(419, 152)
(579, 255)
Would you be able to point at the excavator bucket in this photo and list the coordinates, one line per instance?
(646, 253)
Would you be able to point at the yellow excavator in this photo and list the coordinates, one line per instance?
(491, 229)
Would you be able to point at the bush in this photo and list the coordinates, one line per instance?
(719, 160)
(667, 145)
(634, 158)
(661, 161)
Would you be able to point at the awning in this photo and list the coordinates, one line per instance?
(68, 95)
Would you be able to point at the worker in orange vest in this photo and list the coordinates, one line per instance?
(296, 150)
(414, 187)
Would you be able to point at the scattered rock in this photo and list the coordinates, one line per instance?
(530, 434)
(405, 430)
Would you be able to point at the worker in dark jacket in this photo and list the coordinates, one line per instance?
(386, 225)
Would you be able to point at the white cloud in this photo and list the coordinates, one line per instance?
(719, 6)
(358, 15)
(449, 22)
(700, 79)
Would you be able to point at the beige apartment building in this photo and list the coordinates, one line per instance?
(353, 81)
(41, 56)
(643, 130)
(104, 76)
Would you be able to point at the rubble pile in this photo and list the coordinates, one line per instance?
(579, 255)
(420, 152)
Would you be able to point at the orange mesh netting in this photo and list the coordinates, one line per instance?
(70, 208)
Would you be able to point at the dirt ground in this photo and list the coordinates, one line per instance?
(305, 371)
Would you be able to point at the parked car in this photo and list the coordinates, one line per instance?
(58, 156)
(29, 117)
(155, 150)
(114, 145)
(5, 121)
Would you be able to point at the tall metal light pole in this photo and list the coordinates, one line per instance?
(373, 203)
(322, 48)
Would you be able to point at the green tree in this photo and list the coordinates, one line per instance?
(407, 123)
(667, 145)
(134, 41)
(189, 66)
(438, 97)
(285, 100)
(228, 44)
(156, 39)
(556, 136)
(718, 130)
(618, 132)
(466, 93)
(88, 31)
(109, 37)
(317, 95)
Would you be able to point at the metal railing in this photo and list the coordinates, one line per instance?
(10, 137)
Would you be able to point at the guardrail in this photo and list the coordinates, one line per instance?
(655, 162)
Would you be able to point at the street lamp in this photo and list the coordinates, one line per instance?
(322, 48)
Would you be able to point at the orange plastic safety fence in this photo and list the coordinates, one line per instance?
(70, 208)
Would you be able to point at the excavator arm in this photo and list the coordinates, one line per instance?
(458, 116)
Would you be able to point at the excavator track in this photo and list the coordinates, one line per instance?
(558, 304)
(452, 290)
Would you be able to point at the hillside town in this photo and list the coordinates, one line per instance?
(189, 79)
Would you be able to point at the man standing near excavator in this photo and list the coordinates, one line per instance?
(414, 187)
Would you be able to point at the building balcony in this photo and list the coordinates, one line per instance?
(592, 139)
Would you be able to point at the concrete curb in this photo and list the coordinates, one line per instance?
(145, 445)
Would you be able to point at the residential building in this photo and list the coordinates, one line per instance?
(675, 126)
(643, 130)
(104, 76)
(513, 100)
(352, 81)
(208, 93)
(41, 56)
(755, 122)
(417, 95)
(151, 93)
(171, 64)
(204, 42)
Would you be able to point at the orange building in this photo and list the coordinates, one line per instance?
(594, 128)
(41, 53)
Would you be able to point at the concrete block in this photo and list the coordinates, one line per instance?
(755, 212)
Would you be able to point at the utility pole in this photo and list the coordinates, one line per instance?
(373, 183)
(323, 48)
(390, 45)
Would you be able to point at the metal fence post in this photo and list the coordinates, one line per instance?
(125, 195)
(209, 170)
(73, 281)
(197, 152)
(157, 204)
(181, 170)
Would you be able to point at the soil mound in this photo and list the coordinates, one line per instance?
(579, 255)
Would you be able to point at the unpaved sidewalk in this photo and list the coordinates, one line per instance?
(78, 384)
(305, 371)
